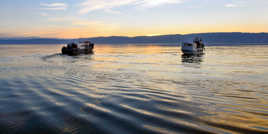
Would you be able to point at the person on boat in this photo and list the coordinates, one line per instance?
(74, 45)
(197, 42)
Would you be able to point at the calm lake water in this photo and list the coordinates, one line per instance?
(133, 90)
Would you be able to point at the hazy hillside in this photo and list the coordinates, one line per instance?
(232, 38)
(209, 38)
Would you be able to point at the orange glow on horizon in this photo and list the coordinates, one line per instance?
(113, 30)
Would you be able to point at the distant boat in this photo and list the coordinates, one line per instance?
(197, 47)
(74, 49)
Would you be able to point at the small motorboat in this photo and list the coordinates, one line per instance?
(74, 49)
(195, 48)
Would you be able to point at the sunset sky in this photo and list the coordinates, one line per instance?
(91, 18)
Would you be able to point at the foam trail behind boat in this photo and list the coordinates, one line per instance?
(51, 56)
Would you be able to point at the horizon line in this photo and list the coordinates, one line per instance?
(36, 37)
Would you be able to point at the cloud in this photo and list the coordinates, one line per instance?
(6, 35)
(44, 14)
(108, 5)
(77, 29)
(54, 6)
(153, 3)
(230, 5)
(74, 27)
(93, 5)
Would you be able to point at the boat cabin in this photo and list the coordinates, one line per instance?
(73, 49)
(197, 47)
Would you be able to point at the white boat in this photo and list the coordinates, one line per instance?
(197, 47)
(74, 49)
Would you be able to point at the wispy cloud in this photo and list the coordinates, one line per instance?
(154, 3)
(108, 5)
(75, 29)
(230, 5)
(93, 5)
(54, 6)
(44, 14)
(6, 35)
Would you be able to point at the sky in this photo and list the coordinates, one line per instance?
(93, 18)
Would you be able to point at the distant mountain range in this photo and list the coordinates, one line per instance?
(209, 38)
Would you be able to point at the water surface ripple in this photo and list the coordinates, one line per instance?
(133, 90)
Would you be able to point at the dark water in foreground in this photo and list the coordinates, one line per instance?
(133, 90)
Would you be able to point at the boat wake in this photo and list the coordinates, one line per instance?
(45, 58)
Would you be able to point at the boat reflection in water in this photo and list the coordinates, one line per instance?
(192, 58)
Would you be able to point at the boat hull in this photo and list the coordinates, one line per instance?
(190, 52)
(74, 51)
